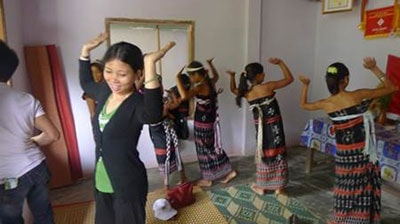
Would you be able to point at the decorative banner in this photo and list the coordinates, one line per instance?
(379, 22)
(393, 73)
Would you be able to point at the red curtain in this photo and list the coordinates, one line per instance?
(393, 73)
(49, 87)
(64, 110)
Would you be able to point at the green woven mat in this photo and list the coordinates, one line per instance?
(239, 204)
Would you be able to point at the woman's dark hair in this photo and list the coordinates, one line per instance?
(335, 74)
(8, 62)
(98, 64)
(186, 84)
(251, 71)
(195, 67)
(127, 53)
(186, 81)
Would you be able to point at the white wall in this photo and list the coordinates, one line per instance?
(219, 32)
(288, 32)
(339, 39)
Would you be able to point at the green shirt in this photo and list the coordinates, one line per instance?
(102, 181)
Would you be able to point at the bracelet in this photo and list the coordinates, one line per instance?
(155, 78)
(85, 58)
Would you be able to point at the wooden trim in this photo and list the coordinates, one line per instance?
(3, 34)
(188, 24)
(148, 21)
(190, 35)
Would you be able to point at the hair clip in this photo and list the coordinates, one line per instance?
(332, 70)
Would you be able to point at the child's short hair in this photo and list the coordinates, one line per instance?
(8, 62)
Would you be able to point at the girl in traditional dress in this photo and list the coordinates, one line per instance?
(357, 190)
(165, 140)
(180, 114)
(272, 167)
(213, 161)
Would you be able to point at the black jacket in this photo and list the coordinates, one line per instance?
(119, 139)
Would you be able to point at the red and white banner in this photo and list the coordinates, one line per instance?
(393, 73)
(380, 22)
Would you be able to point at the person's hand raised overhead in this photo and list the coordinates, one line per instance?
(92, 44)
(304, 79)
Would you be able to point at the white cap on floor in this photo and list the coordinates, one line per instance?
(163, 210)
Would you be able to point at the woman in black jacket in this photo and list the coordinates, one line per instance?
(120, 176)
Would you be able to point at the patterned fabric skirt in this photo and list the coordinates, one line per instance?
(272, 175)
(357, 190)
(272, 169)
(159, 138)
(214, 163)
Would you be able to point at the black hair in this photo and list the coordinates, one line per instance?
(127, 53)
(197, 67)
(8, 62)
(335, 74)
(251, 71)
(186, 81)
(186, 84)
(98, 64)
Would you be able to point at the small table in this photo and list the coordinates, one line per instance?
(319, 134)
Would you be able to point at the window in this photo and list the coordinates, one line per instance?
(151, 35)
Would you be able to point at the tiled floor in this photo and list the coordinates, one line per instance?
(312, 190)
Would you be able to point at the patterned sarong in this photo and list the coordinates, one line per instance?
(272, 167)
(357, 190)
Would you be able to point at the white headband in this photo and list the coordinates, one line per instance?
(194, 69)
